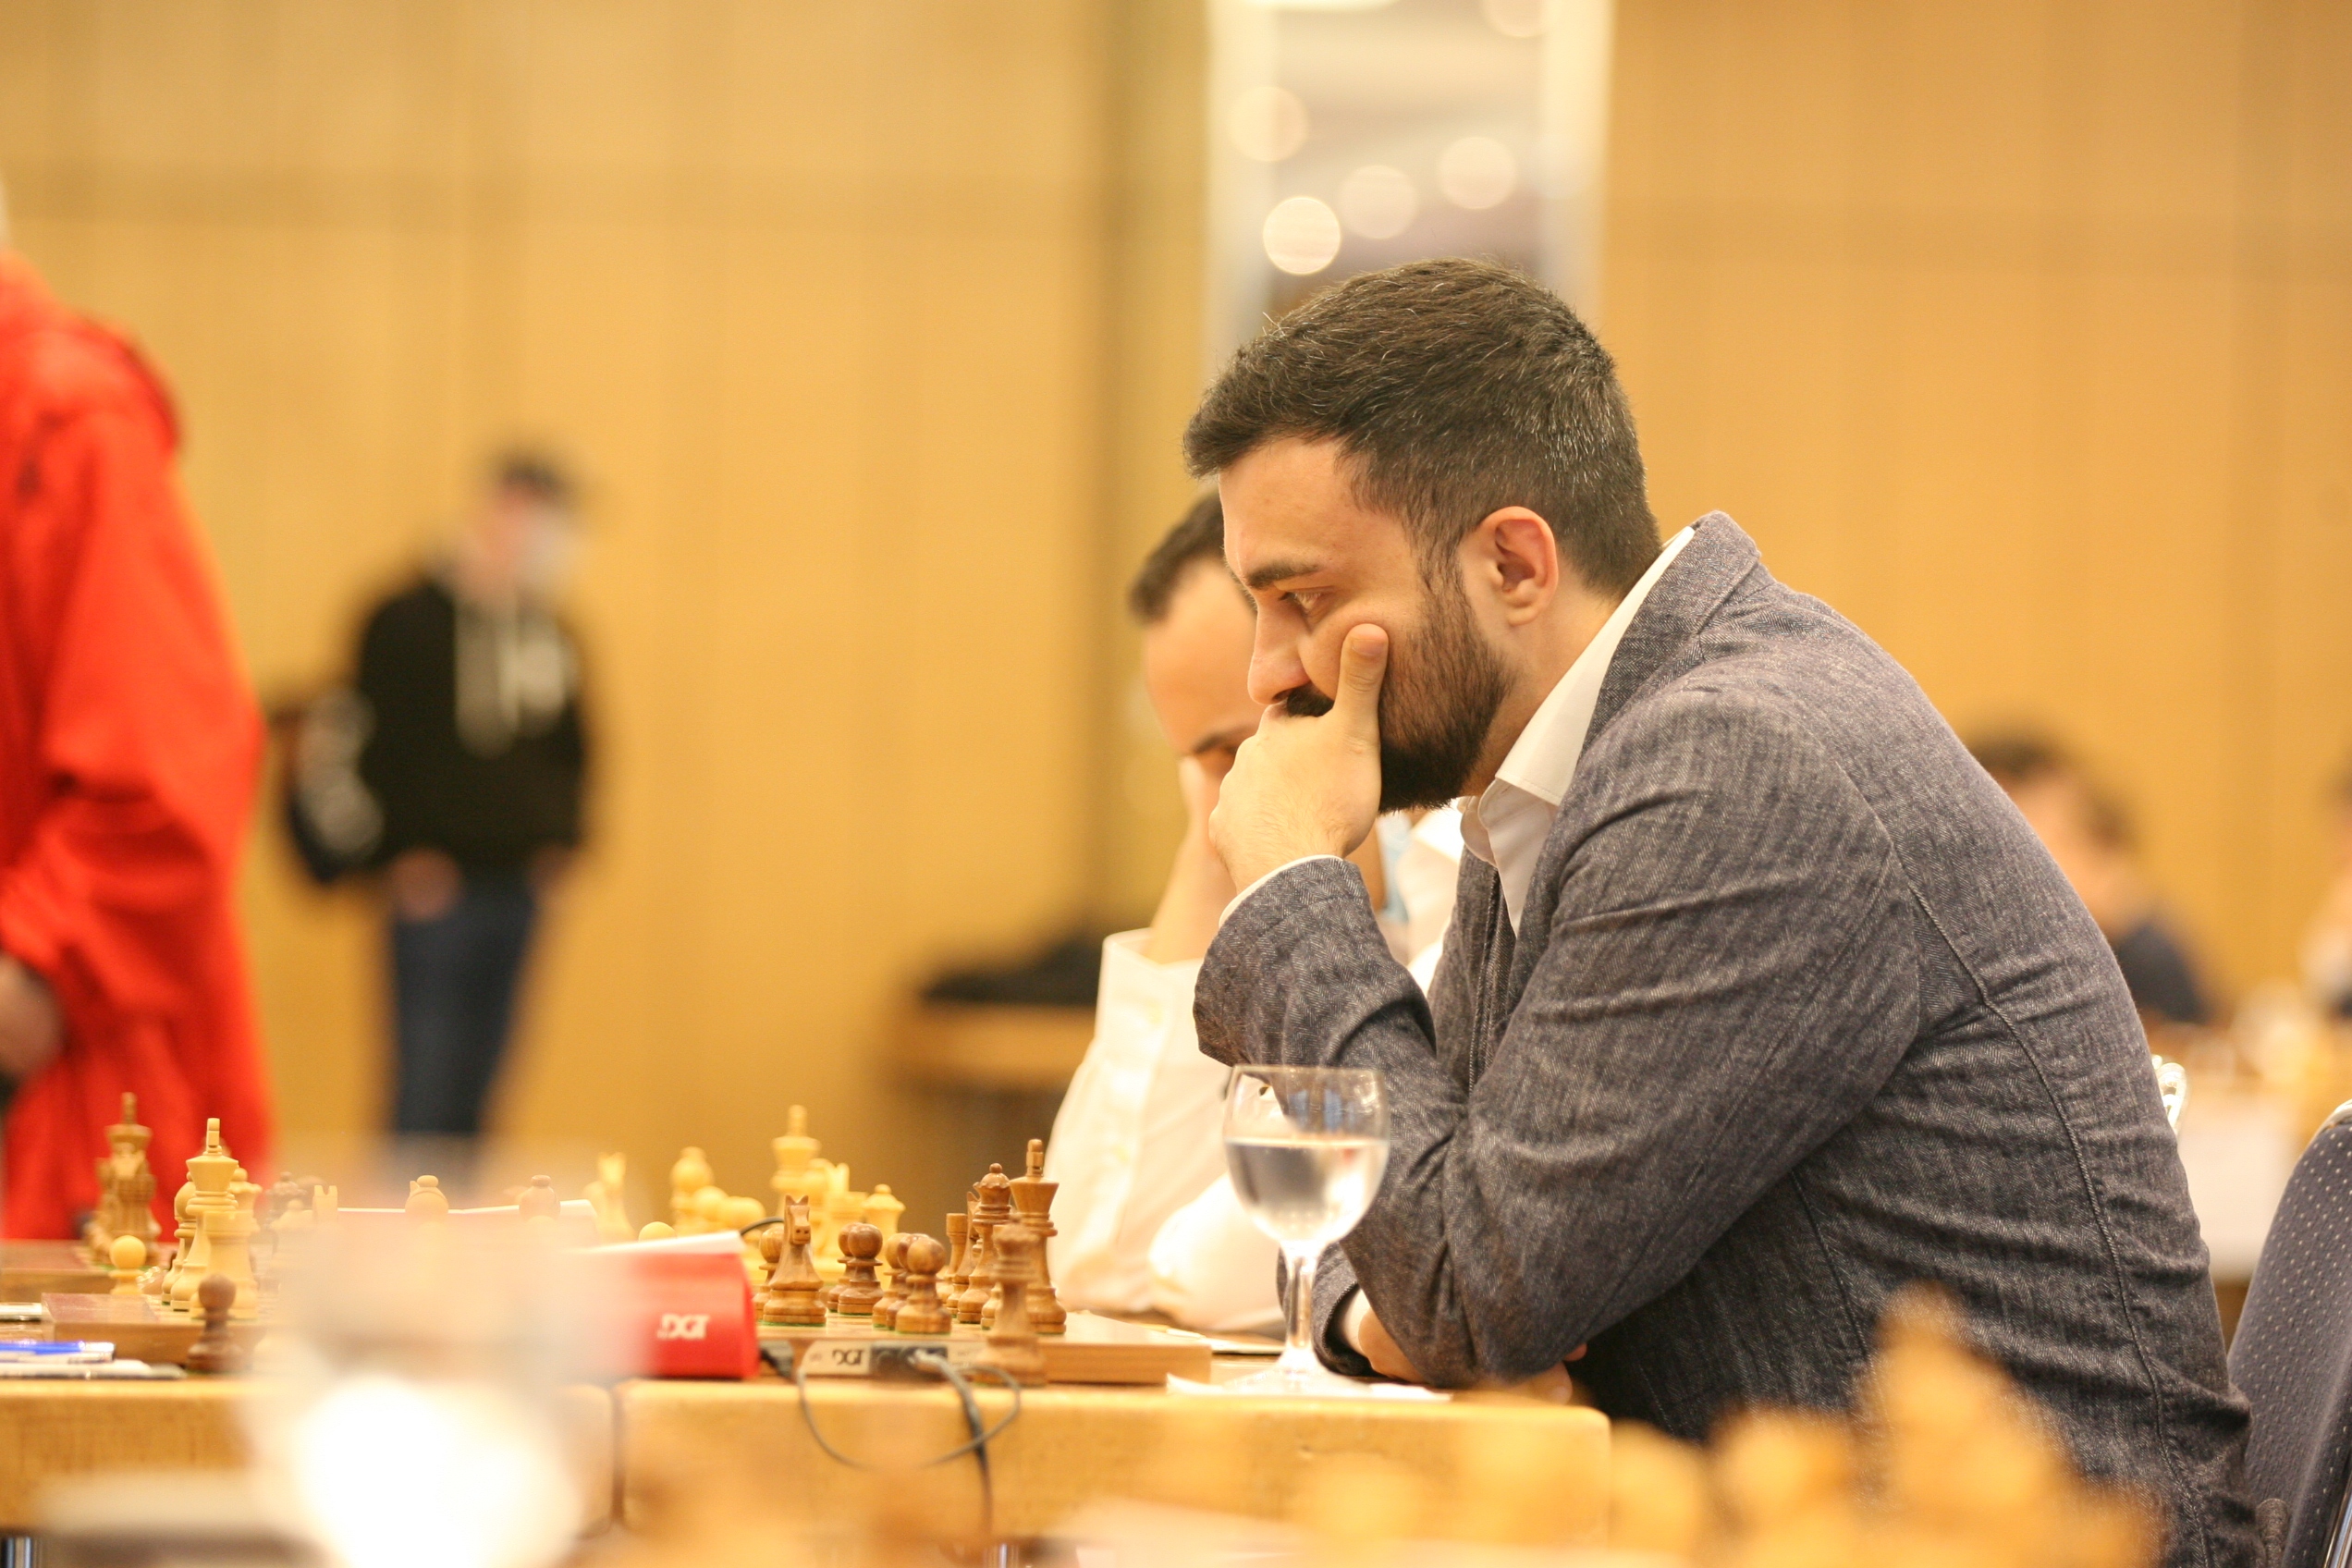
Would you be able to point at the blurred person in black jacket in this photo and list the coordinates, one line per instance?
(456, 765)
(2088, 835)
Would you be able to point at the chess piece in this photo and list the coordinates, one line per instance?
(656, 1231)
(292, 1234)
(883, 1209)
(710, 1210)
(688, 1177)
(605, 1196)
(538, 1201)
(216, 1349)
(771, 1250)
(791, 1288)
(1012, 1342)
(921, 1312)
(285, 1194)
(427, 1205)
(842, 1207)
(210, 1175)
(953, 1279)
(894, 1251)
(125, 1185)
(183, 1238)
(739, 1214)
(996, 1209)
(1659, 1498)
(228, 1235)
(326, 1204)
(795, 1152)
(1033, 1198)
(126, 1257)
(857, 1293)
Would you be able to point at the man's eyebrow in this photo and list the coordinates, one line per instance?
(1277, 571)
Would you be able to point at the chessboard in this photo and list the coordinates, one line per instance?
(134, 1325)
(1091, 1349)
(29, 1271)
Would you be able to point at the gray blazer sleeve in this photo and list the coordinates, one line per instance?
(1721, 972)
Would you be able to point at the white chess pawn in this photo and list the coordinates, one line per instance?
(129, 1256)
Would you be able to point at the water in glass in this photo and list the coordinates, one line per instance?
(1307, 1147)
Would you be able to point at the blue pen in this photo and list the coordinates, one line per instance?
(56, 1350)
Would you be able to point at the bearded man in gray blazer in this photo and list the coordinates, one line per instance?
(1761, 1001)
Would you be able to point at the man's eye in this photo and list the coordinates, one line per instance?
(1306, 602)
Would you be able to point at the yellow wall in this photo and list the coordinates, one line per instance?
(818, 294)
(2021, 331)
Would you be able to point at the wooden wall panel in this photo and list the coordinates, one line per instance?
(2018, 331)
(817, 296)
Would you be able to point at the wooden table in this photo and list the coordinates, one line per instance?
(54, 1431)
(1071, 1448)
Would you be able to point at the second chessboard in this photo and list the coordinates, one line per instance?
(1089, 1350)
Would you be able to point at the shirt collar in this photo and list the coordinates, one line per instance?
(1506, 826)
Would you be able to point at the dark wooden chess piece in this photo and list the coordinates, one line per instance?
(994, 1194)
(791, 1288)
(857, 1293)
(1012, 1343)
(953, 1278)
(214, 1350)
(1033, 1198)
(894, 1251)
(921, 1313)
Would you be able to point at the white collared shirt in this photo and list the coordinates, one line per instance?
(1506, 826)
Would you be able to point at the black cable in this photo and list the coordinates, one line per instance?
(936, 1362)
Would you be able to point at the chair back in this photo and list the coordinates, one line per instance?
(2292, 1354)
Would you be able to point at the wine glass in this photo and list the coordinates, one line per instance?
(1307, 1147)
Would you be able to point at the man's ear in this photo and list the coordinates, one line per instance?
(1513, 553)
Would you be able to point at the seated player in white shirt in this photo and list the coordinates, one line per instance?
(1146, 1219)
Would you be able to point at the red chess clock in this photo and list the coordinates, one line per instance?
(679, 1311)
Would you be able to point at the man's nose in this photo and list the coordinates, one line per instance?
(1275, 668)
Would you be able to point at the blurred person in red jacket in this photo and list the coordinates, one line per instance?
(130, 749)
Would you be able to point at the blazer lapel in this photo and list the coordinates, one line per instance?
(1718, 560)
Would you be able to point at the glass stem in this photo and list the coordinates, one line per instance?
(1299, 1359)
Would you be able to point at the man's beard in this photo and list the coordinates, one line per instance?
(1443, 688)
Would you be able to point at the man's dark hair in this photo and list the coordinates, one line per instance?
(2019, 759)
(535, 473)
(1458, 387)
(1199, 536)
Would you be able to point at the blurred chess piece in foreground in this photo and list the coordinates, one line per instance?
(427, 1203)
